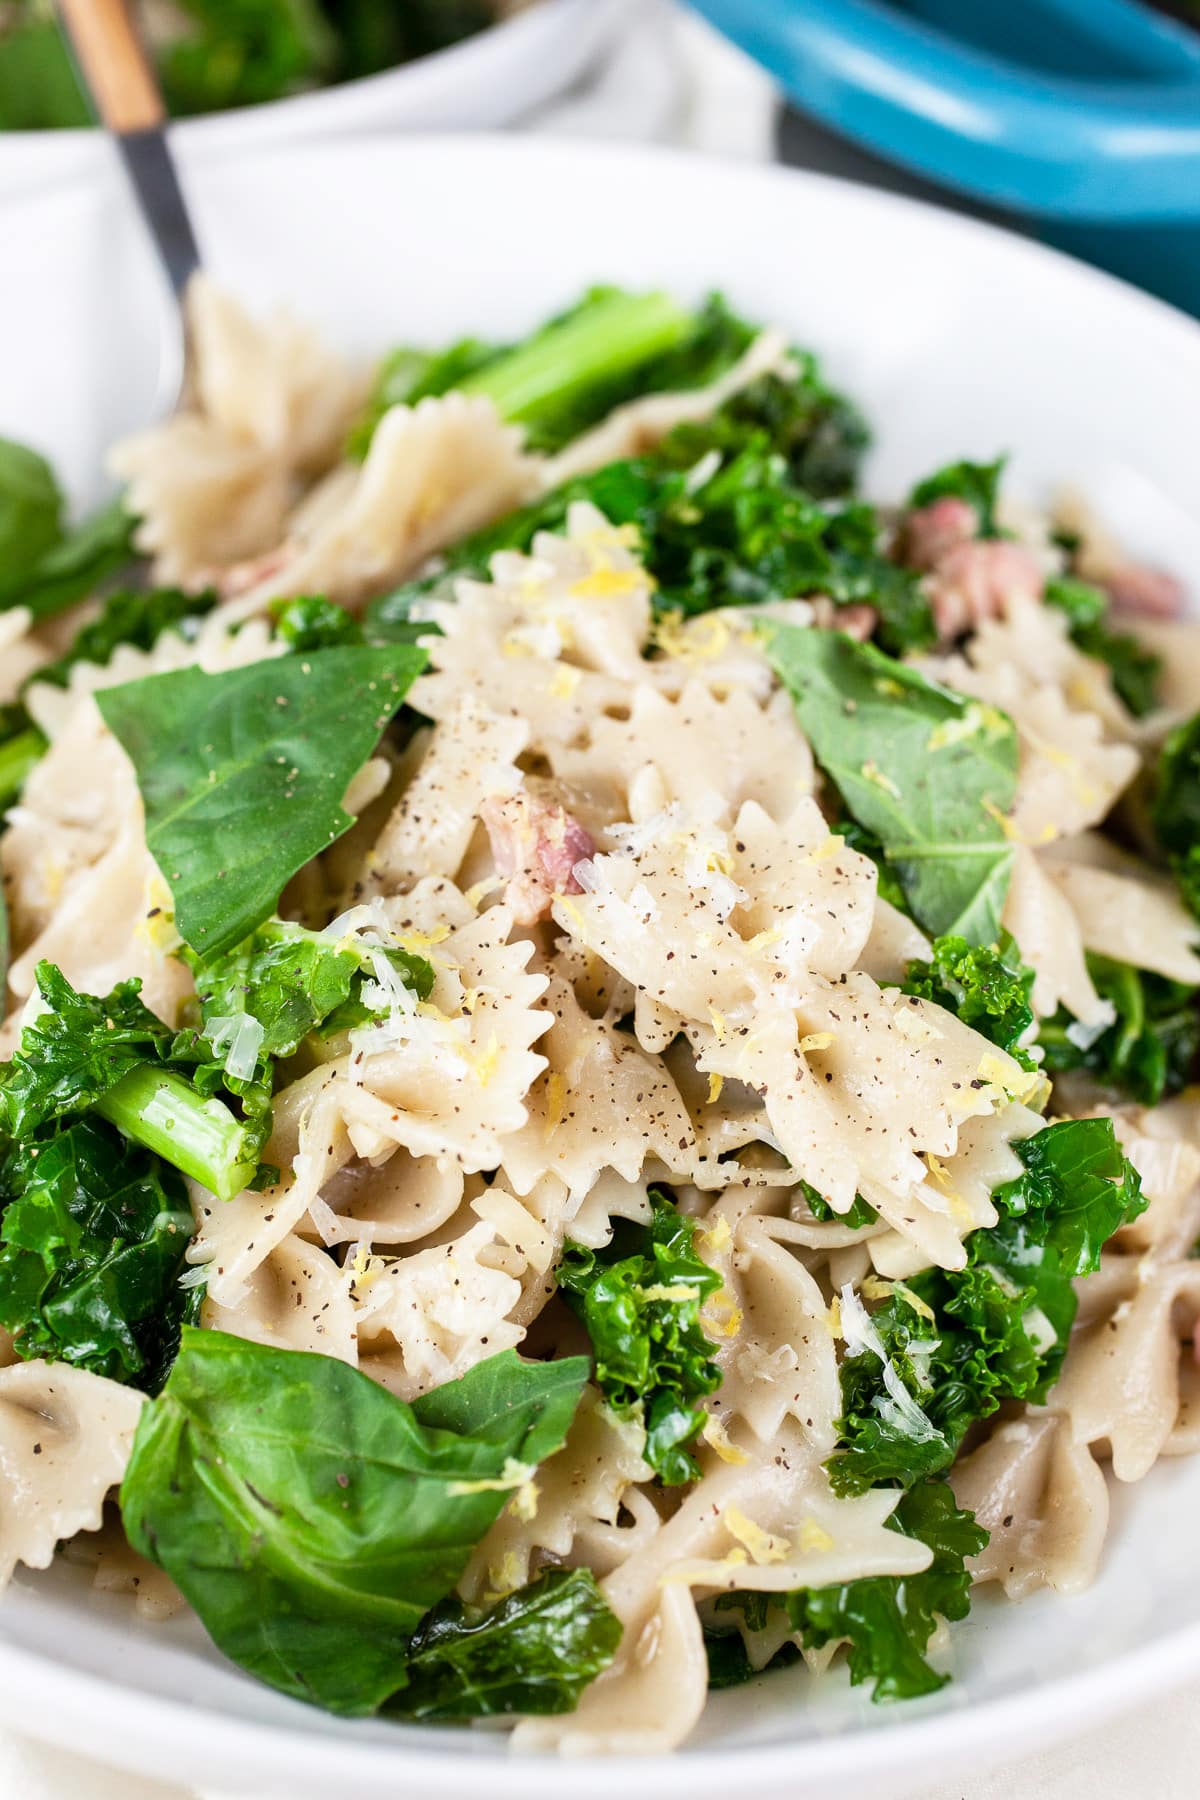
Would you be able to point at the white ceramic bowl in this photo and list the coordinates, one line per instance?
(958, 340)
(486, 81)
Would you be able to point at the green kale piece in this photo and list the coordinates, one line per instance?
(640, 1299)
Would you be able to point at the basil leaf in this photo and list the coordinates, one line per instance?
(242, 774)
(930, 773)
(311, 1518)
(30, 515)
(534, 1651)
(86, 556)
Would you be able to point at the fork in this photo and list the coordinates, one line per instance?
(115, 69)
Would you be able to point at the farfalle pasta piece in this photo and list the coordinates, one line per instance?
(296, 1299)
(65, 1438)
(213, 485)
(434, 472)
(602, 1103)
(1043, 1500)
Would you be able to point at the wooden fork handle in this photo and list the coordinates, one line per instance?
(114, 63)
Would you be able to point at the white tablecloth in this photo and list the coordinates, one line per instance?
(674, 81)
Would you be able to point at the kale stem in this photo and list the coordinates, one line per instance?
(160, 1109)
(608, 338)
(17, 757)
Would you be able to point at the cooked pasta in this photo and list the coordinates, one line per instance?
(657, 1126)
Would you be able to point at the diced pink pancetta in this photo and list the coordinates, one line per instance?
(1146, 593)
(858, 620)
(931, 532)
(977, 581)
(536, 846)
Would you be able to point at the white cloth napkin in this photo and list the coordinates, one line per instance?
(673, 80)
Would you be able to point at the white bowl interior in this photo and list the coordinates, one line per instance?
(958, 341)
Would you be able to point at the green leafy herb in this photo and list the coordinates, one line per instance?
(331, 1515)
(949, 1346)
(242, 774)
(30, 514)
(930, 774)
(640, 1299)
(20, 752)
(534, 1651)
(1135, 670)
(733, 531)
(242, 52)
(566, 375)
(111, 1055)
(38, 84)
(861, 1211)
(291, 982)
(1176, 813)
(92, 1238)
(1149, 1050)
(987, 986)
(314, 623)
(887, 1620)
(976, 483)
(130, 616)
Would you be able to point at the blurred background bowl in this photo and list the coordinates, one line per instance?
(491, 79)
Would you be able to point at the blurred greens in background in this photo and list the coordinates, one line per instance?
(213, 54)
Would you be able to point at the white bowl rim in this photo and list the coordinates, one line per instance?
(41, 1697)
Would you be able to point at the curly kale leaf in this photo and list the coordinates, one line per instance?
(129, 616)
(289, 982)
(976, 483)
(640, 1299)
(1135, 670)
(1150, 1049)
(532, 1651)
(959, 1342)
(85, 1053)
(92, 1239)
(986, 986)
(888, 1620)
(1176, 813)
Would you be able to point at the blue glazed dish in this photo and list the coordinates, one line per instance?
(1081, 116)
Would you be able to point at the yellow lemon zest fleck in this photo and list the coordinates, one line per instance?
(514, 1474)
(816, 1040)
(524, 1503)
(715, 1434)
(718, 1235)
(564, 681)
(414, 941)
(514, 647)
(921, 1307)
(763, 1546)
(875, 1287)
(723, 1315)
(874, 774)
(489, 1062)
(573, 914)
(763, 940)
(835, 1316)
(505, 1576)
(670, 1290)
(888, 685)
(813, 1536)
(719, 1023)
(490, 884)
(556, 1102)
(828, 847)
(470, 999)
(1002, 819)
(607, 583)
(715, 1084)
